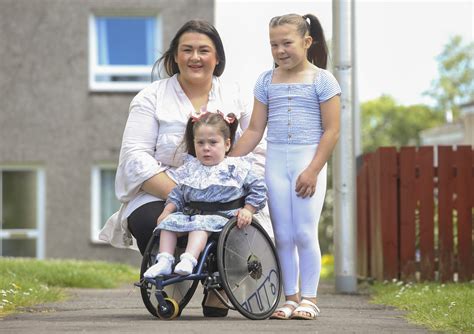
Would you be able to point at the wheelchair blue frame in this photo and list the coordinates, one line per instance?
(220, 279)
(160, 282)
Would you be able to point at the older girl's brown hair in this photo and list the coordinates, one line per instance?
(318, 51)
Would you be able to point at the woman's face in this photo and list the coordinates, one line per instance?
(210, 145)
(288, 47)
(196, 57)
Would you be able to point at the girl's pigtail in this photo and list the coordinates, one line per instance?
(189, 138)
(233, 128)
(318, 51)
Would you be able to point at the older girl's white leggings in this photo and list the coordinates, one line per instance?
(295, 220)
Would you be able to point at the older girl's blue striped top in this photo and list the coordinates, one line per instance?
(294, 115)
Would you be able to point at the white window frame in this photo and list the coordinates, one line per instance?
(95, 200)
(95, 69)
(39, 232)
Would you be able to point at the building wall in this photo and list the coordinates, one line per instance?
(48, 116)
(468, 123)
(461, 132)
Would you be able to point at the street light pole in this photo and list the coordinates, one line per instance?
(344, 157)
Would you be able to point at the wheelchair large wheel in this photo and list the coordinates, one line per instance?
(181, 292)
(249, 269)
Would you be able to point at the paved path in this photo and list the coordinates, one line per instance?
(121, 311)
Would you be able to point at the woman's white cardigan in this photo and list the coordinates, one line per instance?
(152, 143)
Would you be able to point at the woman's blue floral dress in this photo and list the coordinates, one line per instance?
(231, 179)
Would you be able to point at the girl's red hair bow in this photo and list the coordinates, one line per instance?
(198, 115)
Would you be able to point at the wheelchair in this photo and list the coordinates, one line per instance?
(242, 262)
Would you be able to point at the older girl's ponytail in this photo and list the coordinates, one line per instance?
(318, 51)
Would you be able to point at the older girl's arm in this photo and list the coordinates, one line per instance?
(330, 112)
(254, 133)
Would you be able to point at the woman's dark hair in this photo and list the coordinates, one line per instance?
(211, 119)
(318, 51)
(166, 61)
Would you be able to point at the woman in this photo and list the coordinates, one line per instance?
(153, 135)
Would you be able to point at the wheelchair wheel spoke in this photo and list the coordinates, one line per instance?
(235, 253)
(253, 238)
(247, 239)
(240, 284)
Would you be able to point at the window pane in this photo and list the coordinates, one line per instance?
(121, 78)
(108, 202)
(19, 199)
(126, 40)
(18, 247)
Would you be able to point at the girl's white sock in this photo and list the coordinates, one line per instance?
(164, 262)
(186, 265)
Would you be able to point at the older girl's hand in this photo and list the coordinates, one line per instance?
(244, 217)
(306, 184)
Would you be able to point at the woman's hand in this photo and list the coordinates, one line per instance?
(244, 217)
(306, 183)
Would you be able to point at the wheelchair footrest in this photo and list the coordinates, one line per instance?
(138, 284)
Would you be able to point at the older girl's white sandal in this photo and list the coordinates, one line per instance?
(287, 309)
(306, 306)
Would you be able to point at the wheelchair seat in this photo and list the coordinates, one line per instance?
(241, 261)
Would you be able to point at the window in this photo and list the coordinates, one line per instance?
(22, 205)
(104, 203)
(122, 50)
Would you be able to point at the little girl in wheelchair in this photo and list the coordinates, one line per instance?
(211, 189)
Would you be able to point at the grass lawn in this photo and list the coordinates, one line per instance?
(26, 282)
(443, 307)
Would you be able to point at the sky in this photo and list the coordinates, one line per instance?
(396, 41)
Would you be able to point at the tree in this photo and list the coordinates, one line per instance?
(384, 123)
(455, 84)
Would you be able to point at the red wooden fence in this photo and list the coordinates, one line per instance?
(415, 211)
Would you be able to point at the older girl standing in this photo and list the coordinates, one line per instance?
(299, 101)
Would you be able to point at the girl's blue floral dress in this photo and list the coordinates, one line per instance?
(231, 179)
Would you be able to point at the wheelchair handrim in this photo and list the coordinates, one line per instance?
(260, 273)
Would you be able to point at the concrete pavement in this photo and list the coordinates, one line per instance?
(121, 311)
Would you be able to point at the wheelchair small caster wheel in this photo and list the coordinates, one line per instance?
(170, 311)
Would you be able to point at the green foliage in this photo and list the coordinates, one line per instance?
(384, 123)
(26, 282)
(455, 83)
(326, 221)
(25, 293)
(327, 267)
(444, 307)
(67, 273)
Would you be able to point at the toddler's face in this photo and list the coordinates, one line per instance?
(210, 145)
